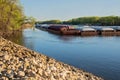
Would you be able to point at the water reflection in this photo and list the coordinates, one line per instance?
(16, 37)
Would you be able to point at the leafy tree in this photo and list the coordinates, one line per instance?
(30, 20)
(11, 15)
(52, 22)
(105, 21)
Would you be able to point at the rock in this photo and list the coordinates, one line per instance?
(26, 65)
(39, 72)
(34, 62)
(3, 72)
(21, 73)
(30, 74)
(5, 78)
(52, 78)
(9, 74)
(1, 55)
(1, 63)
(6, 57)
(9, 71)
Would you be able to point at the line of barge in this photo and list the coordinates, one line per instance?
(82, 31)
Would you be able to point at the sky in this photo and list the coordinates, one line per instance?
(68, 9)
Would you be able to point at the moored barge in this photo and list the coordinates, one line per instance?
(117, 33)
(82, 31)
(88, 31)
(106, 31)
(63, 30)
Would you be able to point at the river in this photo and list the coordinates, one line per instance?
(98, 55)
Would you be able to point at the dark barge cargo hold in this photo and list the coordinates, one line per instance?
(63, 30)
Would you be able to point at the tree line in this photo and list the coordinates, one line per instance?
(11, 15)
(50, 22)
(100, 21)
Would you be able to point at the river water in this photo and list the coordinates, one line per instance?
(98, 55)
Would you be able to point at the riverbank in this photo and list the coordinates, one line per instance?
(18, 62)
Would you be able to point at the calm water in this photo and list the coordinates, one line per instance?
(98, 55)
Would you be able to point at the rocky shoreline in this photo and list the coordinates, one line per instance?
(20, 63)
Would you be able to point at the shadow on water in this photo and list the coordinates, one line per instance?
(17, 37)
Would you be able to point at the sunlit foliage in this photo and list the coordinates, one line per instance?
(11, 15)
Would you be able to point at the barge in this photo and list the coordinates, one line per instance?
(117, 33)
(63, 30)
(88, 31)
(82, 31)
(106, 31)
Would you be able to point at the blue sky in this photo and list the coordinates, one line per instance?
(67, 9)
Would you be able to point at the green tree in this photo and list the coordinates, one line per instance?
(52, 22)
(30, 20)
(105, 21)
(11, 15)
